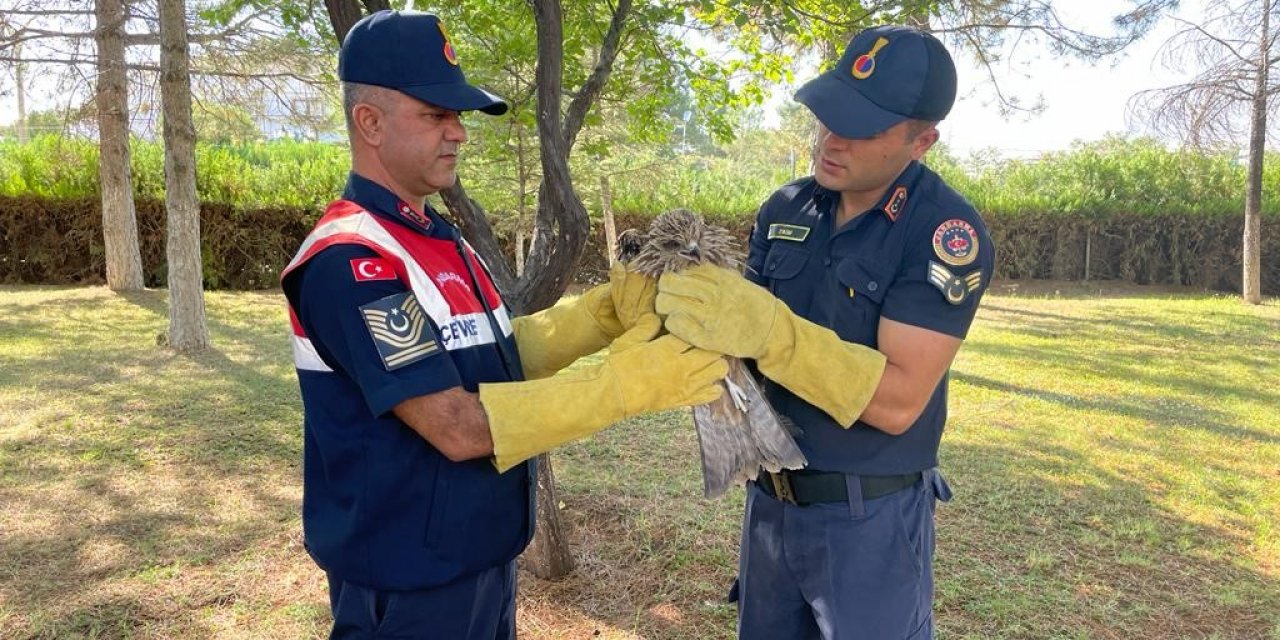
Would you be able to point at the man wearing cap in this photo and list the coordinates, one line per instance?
(869, 274)
(423, 400)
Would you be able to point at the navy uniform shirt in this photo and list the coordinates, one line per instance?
(381, 506)
(921, 257)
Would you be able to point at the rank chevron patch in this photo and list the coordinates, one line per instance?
(955, 289)
(399, 329)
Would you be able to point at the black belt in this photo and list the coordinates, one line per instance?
(806, 487)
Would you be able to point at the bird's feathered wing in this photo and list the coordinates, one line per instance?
(740, 433)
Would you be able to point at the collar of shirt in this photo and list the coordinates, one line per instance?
(892, 204)
(380, 201)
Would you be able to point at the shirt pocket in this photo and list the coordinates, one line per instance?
(781, 266)
(863, 285)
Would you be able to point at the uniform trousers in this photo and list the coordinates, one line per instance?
(853, 570)
(478, 607)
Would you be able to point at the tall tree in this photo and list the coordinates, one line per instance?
(242, 41)
(119, 225)
(1226, 103)
(187, 327)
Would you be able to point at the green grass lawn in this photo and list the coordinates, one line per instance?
(1115, 457)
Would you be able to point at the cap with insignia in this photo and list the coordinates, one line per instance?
(410, 51)
(886, 75)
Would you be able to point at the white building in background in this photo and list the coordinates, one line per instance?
(278, 108)
(300, 111)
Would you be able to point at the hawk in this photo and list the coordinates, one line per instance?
(740, 433)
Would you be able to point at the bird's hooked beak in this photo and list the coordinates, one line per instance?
(691, 251)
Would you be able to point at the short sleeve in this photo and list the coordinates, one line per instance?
(758, 247)
(366, 324)
(944, 274)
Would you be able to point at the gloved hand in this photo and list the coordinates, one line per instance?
(719, 310)
(554, 338)
(639, 375)
(632, 293)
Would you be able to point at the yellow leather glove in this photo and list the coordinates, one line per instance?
(639, 375)
(632, 294)
(554, 338)
(717, 309)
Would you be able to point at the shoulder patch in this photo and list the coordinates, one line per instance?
(955, 289)
(955, 242)
(792, 232)
(399, 329)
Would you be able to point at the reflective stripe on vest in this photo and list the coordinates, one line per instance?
(347, 223)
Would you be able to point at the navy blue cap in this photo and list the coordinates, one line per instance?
(886, 75)
(411, 52)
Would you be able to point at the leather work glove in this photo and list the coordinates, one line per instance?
(717, 309)
(640, 374)
(633, 294)
(554, 338)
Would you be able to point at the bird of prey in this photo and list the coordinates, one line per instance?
(739, 434)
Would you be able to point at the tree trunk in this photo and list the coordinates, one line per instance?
(187, 328)
(561, 229)
(548, 555)
(522, 203)
(474, 224)
(119, 226)
(1251, 280)
(519, 248)
(19, 77)
(344, 14)
(610, 228)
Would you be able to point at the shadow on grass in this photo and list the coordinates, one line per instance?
(1194, 415)
(181, 460)
(1021, 554)
(171, 474)
(1168, 353)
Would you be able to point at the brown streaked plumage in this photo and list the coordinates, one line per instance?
(739, 434)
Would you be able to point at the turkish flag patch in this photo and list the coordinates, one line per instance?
(365, 269)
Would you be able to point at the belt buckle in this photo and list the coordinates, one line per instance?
(782, 488)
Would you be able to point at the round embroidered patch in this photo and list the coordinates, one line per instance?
(449, 53)
(955, 242)
(864, 66)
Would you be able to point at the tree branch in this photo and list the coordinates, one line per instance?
(46, 12)
(581, 104)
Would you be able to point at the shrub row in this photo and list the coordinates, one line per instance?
(1115, 176)
(47, 241)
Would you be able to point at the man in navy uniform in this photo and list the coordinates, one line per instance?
(862, 281)
(423, 399)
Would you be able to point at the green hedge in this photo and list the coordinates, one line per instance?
(282, 173)
(1169, 248)
(1143, 213)
(1113, 176)
(59, 241)
(47, 241)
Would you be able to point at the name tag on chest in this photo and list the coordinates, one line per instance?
(792, 232)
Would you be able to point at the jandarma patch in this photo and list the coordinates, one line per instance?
(399, 330)
(792, 232)
(865, 65)
(955, 242)
(955, 289)
(449, 54)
